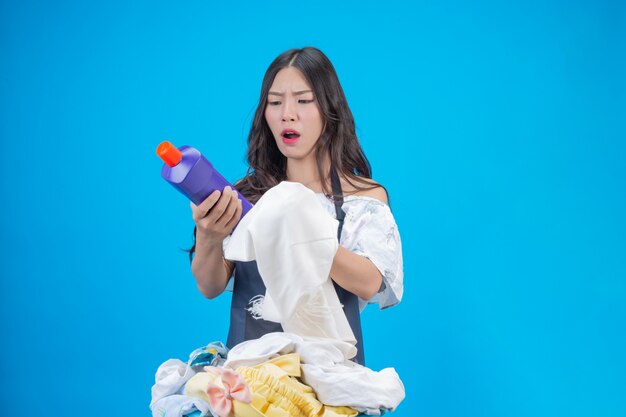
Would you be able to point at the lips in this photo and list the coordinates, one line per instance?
(290, 136)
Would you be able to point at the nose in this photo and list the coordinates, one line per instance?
(289, 114)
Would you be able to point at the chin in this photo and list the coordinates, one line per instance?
(292, 152)
(289, 154)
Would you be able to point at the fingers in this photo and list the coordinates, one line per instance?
(236, 216)
(220, 207)
(203, 208)
(218, 213)
(230, 209)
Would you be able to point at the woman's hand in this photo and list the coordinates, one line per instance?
(216, 216)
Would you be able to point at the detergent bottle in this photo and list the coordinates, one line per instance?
(192, 174)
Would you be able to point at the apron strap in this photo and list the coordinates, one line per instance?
(337, 199)
(349, 300)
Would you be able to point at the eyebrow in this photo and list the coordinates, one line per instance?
(297, 93)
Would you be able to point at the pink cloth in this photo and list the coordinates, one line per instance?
(234, 388)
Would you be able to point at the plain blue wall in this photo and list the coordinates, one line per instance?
(498, 128)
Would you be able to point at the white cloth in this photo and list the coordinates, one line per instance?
(369, 230)
(168, 389)
(327, 369)
(293, 240)
(170, 379)
(323, 352)
(180, 406)
(355, 386)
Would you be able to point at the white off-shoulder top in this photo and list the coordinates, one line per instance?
(370, 230)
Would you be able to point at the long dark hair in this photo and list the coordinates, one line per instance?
(267, 166)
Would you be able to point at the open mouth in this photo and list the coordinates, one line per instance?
(290, 134)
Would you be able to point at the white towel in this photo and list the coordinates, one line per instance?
(293, 240)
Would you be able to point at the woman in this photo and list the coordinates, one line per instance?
(303, 131)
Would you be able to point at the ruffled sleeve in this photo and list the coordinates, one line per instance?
(370, 230)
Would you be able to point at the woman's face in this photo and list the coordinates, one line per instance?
(292, 114)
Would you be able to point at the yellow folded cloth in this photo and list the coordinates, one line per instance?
(276, 391)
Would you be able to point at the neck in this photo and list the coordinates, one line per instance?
(305, 172)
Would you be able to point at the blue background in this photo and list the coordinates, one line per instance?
(498, 128)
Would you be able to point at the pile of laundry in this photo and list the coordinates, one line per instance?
(306, 371)
(277, 375)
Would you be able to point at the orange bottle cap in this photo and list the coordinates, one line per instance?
(169, 153)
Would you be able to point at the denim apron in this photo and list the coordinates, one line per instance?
(248, 291)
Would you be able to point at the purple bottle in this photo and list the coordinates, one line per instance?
(192, 174)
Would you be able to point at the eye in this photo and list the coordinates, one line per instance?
(302, 101)
(273, 103)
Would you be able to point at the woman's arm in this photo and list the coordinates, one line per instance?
(215, 218)
(210, 269)
(356, 274)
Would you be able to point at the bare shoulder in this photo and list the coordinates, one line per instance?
(378, 192)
